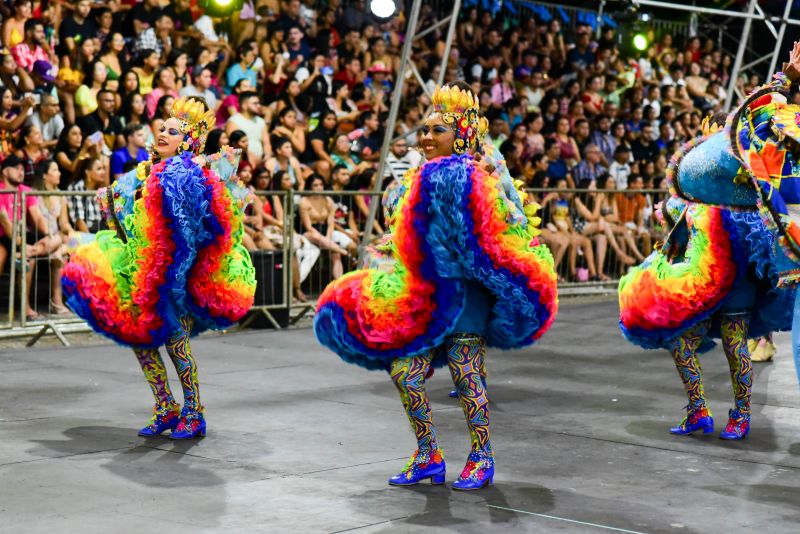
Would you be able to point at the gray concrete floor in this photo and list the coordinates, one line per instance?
(301, 442)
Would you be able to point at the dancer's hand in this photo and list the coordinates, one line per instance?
(792, 68)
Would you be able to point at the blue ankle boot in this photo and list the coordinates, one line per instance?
(191, 425)
(738, 425)
(423, 465)
(478, 472)
(696, 419)
(164, 418)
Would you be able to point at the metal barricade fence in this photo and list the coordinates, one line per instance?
(594, 235)
(8, 264)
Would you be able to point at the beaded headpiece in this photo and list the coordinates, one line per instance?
(459, 109)
(196, 120)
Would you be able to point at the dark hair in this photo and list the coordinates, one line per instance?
(310, 181)
(129, 165)
(337, 168)
(277, 178)
(131, 129)
(235, 136)
(63, 142)
(278, 141)
(548, 143)
(212, 142)
(160, 107)
(127, 108)
(364, 117)
(245, 95)
(337, 84)
(25, 132)
(144, 54)
(31, 24)
(40, 169)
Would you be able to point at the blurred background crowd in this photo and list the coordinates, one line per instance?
(304, 88)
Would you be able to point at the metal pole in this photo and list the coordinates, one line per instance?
(411, 30)
(711, 11)
(739, 55)
(781, 32)
(449, 42)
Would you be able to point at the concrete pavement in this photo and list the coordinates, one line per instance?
(300, 442)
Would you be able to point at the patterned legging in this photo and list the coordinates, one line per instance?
(465, 353)
(734, 342)
(156, 374)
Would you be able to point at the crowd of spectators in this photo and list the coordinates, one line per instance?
(304, 88)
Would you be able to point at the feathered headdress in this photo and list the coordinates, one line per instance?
(461, 110)
(196, 121)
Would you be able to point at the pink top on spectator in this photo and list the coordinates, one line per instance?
(7, 203)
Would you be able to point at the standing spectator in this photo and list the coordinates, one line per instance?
(84, 211)
(105, 121)
(33, 48)
(203, 79)
(251, 123)
(48, 119)
(134, 149)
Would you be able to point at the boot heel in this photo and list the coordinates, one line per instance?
(437, 479)
(708, 430)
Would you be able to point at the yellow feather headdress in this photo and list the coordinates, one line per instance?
(461, 110)
(196, 121)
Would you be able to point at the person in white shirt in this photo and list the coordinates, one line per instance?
(620, 169)
(249, 120)
(202, 88)
(400, 159)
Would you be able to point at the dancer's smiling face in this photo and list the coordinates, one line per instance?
(437, 138)
(169, 138)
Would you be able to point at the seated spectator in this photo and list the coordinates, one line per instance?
(164, 82)
(603, 138)
(588, 170)
(230, 104)
(341, 155)
(610, 212)
(48, 119)
(15, 25)
(156, 37)
(288, 127)
(562, 214)
(340, 103)
(317, 217)
(245, 57)
(113, 57)
(84, 211)
(54, 211)
(254, 237)
(284, 160)
(134, 149)
(14, 78)
(149, 61)
(202, 88)
(71, 151)
(346, 233)
(35, 224)
(620, 168)
(399, 160)
(87, 94)
(556, 168)
(31, 150)
(34, 47)
(369, 142)
(10, 121)
(643, 148)
(319, 140)
(216, 140)
(105, 121)
(631, 206)
(134, 110)
(567, 147)
(251, 123)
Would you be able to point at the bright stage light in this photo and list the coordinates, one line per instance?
(382, 8)
(640, 42)
(221, 8)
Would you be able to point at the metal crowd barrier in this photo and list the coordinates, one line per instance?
(594, 256)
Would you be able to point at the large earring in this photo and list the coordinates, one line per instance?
(184, 146)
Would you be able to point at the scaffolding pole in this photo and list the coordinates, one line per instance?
(737, 63)
(397, 95)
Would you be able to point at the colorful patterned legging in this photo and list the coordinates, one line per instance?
(465, 353)
(734, 342)
(156, 374)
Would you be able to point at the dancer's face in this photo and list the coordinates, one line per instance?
(169, 138)
(437, 138)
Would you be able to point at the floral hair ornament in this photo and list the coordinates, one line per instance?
(196, 120)
(459, 109)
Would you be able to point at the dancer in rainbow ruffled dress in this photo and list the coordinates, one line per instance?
(466, 272)
(173, 265)
(720, 272)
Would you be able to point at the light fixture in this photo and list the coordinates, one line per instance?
(221, 8)
(640, 42)
(383, 9)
